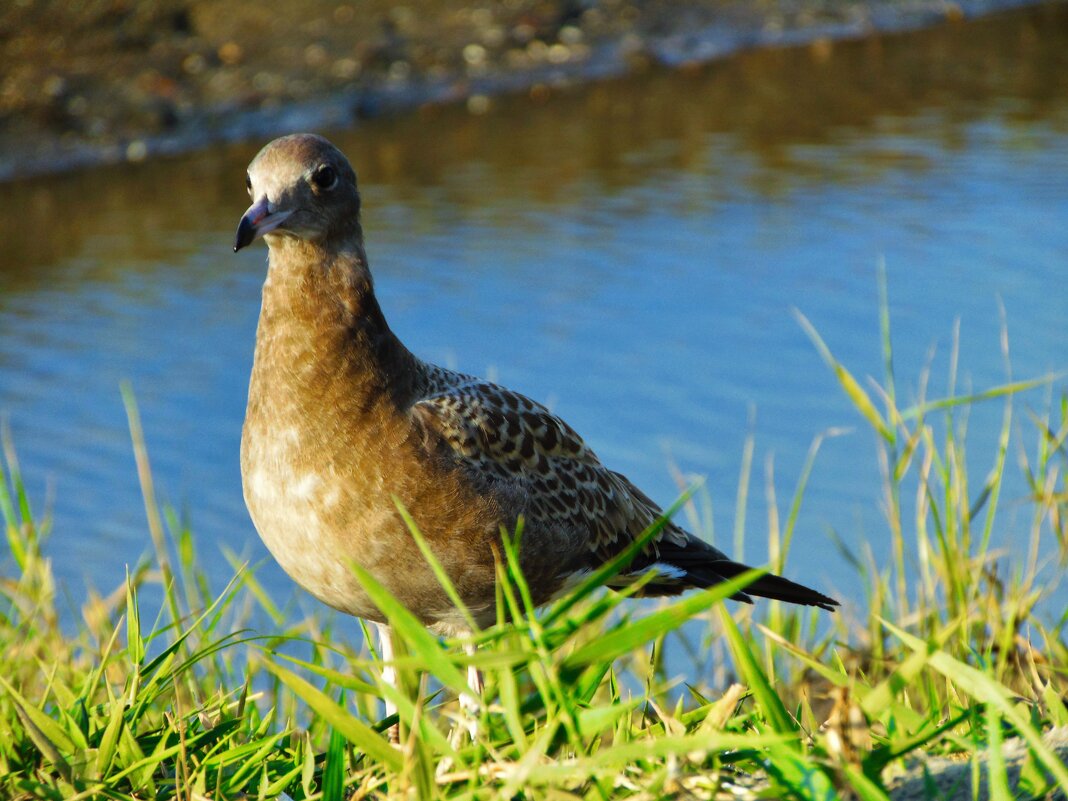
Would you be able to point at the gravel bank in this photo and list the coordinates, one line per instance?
(111, 80)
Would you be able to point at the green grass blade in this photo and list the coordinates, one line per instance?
(135, 644)
(863, 787)
(880, 697)
(44, 732)
(856, 394)
(996, 771)
(435, 565)
(983, 688)
(109, 741)
(335, 677)
(1058, 710)
(249, 757)
(599, 577)
(884, 333)
(356, 732)
(831, 674)
(422, 643)
(750, 672)
(249, 580)
(616, 757)
(595, 719)
(636, 633)
(148, 494)
(19, 541)
(49, 728)
(334, 768)
(1000, 391)
(805, 777)
(399, 699)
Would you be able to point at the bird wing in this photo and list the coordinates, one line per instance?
(506, 439)
(503, 436)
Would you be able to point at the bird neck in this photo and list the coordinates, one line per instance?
(322, 323)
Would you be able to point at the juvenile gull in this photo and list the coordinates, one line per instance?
(342, 419)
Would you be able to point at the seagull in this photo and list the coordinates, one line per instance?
(344, 423)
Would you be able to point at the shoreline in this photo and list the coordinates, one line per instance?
(192, 102)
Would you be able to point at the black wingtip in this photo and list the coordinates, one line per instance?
(702, 573)
(782, 589)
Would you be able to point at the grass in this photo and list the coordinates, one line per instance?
(949, 653)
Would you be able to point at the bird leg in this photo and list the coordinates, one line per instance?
(471, 703)
(389, 675)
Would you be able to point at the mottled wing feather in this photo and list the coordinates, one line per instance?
(510, 438)
(562, 488)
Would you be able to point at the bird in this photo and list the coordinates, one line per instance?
(343, 423)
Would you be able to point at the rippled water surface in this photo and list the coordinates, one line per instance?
(628, 253)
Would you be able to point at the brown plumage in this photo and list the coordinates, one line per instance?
(342, 418)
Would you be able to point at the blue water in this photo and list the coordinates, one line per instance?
(630, 254)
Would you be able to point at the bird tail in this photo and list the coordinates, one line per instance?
(698, 565)
(767, 586)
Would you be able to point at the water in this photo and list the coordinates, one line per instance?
(629, 253)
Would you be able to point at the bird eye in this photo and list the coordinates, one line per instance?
(248, 183)
(325, 177)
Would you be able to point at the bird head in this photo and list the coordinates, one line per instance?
(302, 187)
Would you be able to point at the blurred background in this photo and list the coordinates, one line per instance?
(614, 207)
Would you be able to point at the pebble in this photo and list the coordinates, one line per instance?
(136, 150)
(231, 53)
(478, 104)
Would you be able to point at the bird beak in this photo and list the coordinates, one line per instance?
(262, 217)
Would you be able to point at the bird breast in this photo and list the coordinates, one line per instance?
(313, 522)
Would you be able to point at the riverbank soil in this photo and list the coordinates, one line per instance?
(106, 80)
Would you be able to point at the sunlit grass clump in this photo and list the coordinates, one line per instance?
(951, 652)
